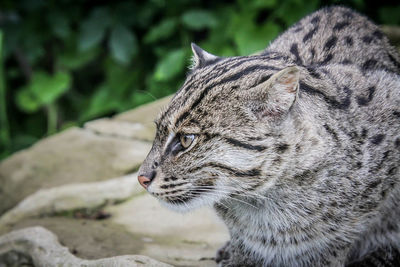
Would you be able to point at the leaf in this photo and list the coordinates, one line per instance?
(59, 24)
(251, 38)
(257, 4)
(140, 98)
(100, 103)
(292, 10)
(199, 19)
(264, 3)
(43, 89)
(48, 88)
(170, 65)
(26, 101)
(119, 79)
(75, 59)
(161, 31)
(123, 44)
(93, 29)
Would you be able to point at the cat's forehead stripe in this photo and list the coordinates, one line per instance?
(218, 71)
(208, 74)
(233, 77)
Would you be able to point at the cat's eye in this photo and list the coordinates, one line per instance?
(186, 140)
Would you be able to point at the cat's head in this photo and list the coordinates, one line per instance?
(221, 130)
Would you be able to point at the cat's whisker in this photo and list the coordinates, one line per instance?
(215, 192)
(241, 192)
(239, 189)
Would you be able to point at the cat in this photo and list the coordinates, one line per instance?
(299, 155)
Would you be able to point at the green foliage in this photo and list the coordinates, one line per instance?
(161, 31)
(68, 61)
(170, 65)
(93, 29)
(123, 44)
(390, 15)
(198, 19)
(42, 90)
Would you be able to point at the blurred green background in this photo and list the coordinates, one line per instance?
(64, 62)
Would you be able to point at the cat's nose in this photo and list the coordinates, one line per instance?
(145, 179)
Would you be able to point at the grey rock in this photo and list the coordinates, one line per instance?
(44, 249)
(72, 197)
(121, 129)
(73, 156)
(189, 239)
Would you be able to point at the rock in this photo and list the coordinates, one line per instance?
(144, 114)
(15, 259)
(73, 156)
(140, 226)
(43, 248)
(175, 238)
(72, 197)
(122, 129)
(88, 239)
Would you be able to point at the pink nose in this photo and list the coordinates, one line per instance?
(144, 181)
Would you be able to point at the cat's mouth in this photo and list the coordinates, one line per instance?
(176, 197)
(184, 199)
(179, 200)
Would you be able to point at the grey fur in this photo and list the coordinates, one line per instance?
(338, 35)
(299, 157)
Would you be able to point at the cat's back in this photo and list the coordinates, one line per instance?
(358, 114)
(338, 35)
(345, 95)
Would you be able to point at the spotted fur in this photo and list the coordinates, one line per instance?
(338, 35)
(298, 155)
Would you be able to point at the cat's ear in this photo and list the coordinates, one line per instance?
(201, 57)
(276, 95)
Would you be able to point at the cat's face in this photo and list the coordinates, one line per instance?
(220, 131)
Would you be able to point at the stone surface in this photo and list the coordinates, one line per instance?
(88, 239)
(140, 226)
(43, 249)
(72, 197)
(122, 129)
(73, 156)
(144, 114)
(175, 238)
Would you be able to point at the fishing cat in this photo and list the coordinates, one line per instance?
(299, 155)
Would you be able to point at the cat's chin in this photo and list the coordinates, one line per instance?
(190, 205)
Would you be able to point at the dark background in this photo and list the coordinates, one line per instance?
(65, 62)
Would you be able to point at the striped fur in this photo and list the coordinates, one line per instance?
(298, 155)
